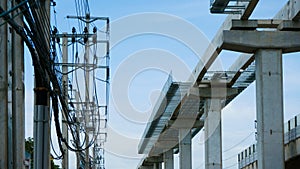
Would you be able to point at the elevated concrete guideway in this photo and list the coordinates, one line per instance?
(154, 129)
(143, 148)
(238, 77)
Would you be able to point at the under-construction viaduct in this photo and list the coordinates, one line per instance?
(183, 108)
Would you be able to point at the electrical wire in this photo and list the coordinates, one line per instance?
(235, 145)
(230, 166)
(58, 157)
(36, 35)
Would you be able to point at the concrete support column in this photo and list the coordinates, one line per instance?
(269, 103)
(169, 159)
(213, 134)
(157, 166)
(185, 154)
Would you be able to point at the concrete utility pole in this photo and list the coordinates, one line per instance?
(87, 94)
(65, 162)
(18, 108)
(9, 91)
(3, 92)
(90, 118)
(41, 114)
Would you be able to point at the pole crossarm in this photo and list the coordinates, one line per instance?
(88, 18)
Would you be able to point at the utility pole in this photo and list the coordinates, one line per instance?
(87, 90)
(87, 93)
(92, 119)
(9, 91)
(41, 113)
(3, 92)
(18, 108)
(65, 162)
(65, 39)
(77, 128)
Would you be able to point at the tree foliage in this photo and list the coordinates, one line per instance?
(29, 145)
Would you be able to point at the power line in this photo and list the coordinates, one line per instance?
(235, 145)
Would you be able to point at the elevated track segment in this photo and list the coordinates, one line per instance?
(239, 76)
(183, 107)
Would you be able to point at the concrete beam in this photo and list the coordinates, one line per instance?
(154, 159)
(218, 6)
(250, 41)
(291, 11)
(161, 146)
(214, 48)
(217, 92)
(213, 134)
(185, 123)
(289, 26)
(254, 24)
(211, 53)
(240, 65)
(269, 105)
(288, 12)
(249, 9)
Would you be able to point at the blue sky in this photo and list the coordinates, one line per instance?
(161, 53)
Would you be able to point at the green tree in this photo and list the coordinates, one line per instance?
(29, 144)
(29, 148)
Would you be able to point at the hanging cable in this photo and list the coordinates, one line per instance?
(235, 145)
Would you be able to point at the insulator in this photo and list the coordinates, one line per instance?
(95, 29)
(107, 73)
(54, 30)
(53, 3)
(73, 30)
(57, 40)
(85, 30)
